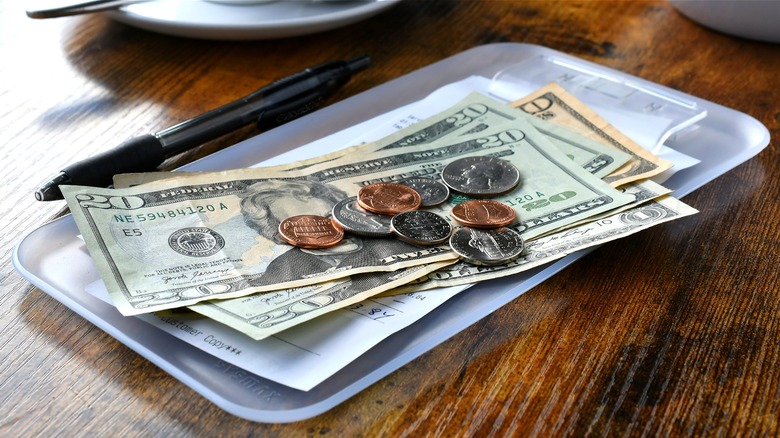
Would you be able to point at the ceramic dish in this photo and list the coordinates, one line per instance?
(265, 20)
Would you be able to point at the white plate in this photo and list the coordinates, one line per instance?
(221, 21)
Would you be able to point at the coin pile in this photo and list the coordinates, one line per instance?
(393, 209)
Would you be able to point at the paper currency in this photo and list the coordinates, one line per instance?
(640, 191)
(184, 240)
(478, 113)
(178, 245)
(262, 315)
(554, 246)
(554, 104)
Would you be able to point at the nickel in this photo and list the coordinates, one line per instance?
(487, 247)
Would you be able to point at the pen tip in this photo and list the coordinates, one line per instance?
(48, 194)
(50, 190)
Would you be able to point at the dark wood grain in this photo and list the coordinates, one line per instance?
(672, 332)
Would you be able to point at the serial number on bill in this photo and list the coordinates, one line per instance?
(185, 211)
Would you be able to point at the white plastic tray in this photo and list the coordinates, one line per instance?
(53, 258)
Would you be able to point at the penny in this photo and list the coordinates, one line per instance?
(310, 231)
(483, 213)
(358, 221)
(480, 176)
(487, 247)
(421, 227)
(388, 198)
(432, 191)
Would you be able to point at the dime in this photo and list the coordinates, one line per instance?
(483, 213)
(421, 227)
(356, 220)
(432, 191)
(388, 198)
(480, 176)
(487, 247)
(310, 231)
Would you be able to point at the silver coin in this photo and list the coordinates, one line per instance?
(358, 221)
(487, 247)
(481, 176)
(432, 191)
(421, 227)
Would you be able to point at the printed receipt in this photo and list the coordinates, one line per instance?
(305, 355)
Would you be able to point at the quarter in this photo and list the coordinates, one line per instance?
(358, 221)
(487, 247)
(310, 231)
(421, 227)
(432, 191)
(388, 198)
(483, 213)
(481, 176)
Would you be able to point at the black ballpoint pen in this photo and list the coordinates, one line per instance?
(272, 105)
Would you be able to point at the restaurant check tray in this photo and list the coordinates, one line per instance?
(53, 258)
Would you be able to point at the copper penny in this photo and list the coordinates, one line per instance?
(483, 213)
(310, 231)
(388, 198)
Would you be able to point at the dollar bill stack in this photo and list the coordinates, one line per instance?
(493, 190)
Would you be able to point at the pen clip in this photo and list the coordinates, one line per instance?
(289, 111)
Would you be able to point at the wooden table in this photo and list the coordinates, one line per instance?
(672, 331)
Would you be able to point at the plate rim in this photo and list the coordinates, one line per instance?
(283, 28)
